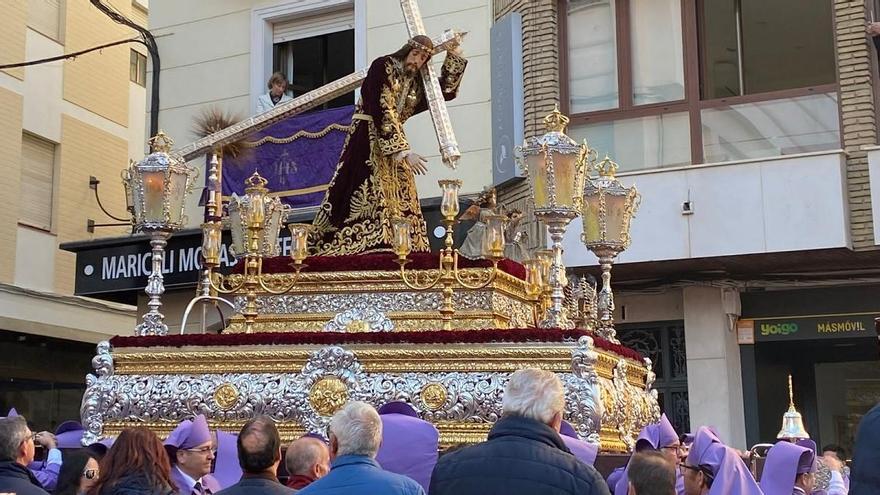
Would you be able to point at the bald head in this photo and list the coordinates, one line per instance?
(307, 456)
(259, 446)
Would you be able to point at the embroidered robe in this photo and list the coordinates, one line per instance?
(368, 188)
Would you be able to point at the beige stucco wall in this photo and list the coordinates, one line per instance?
(92, 112)
(10, 157)
(12, 28)
(97, 81)
(86, 151)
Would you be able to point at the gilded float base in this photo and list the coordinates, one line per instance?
(456, 386)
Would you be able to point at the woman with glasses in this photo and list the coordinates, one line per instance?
(136, 464)
(79, 472)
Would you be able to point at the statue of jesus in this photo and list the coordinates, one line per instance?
(374, 181)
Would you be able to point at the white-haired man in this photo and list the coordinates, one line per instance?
(524, 453)
(355, 436)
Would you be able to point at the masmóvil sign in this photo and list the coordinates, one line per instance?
(815, 327)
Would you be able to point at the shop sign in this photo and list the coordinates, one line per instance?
(126, 268)
(815, 327)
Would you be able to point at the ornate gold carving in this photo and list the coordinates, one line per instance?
(375, 359)
(226, 396)
(451, 432)
(357, 326)
(433, 395)
(328, 395)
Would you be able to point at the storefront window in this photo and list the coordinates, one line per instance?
(771, 128)
(751, 46)
(642, 143)
(845, 392)
(592, 55)
(657, 56)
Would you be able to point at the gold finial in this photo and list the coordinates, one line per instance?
(607, 167)
(255, 183)
(161, 142)
(555, 121)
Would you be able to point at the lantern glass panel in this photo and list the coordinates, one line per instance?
(176, 196)
(616, 211)
(237, 227)
(272, 228)
(590, 216)
(154, 195)
(537, 167)
(564, 172)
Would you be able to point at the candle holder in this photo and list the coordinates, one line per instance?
(448, 275)
(255, 221)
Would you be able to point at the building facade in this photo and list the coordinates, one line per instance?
(64, 122)
(753, 147)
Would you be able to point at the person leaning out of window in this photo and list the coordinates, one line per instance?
(277, 86)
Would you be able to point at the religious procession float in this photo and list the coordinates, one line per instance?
(361, 309)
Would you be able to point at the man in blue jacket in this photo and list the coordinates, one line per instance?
(524, 453)
(355, 435)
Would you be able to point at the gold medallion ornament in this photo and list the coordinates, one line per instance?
(358, 326)
(433, 395)
(226, 396)
(328, 395)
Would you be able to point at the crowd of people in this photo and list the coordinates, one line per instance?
(391, 451)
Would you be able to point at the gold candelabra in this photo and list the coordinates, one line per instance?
(255, 220)
(448, 276)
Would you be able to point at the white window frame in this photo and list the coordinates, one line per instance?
(262, 23)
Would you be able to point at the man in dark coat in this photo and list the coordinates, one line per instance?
(865, 477)
(16, 452)
(259, 454)
(524, 453)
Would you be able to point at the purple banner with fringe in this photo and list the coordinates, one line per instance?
(297, 156)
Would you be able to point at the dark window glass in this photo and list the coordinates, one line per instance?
(757, 46)
(310, 63)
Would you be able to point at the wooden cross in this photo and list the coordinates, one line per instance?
(433, 94)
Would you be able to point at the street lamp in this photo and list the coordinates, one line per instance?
(555, 166)
(157, 187)
(608, 209)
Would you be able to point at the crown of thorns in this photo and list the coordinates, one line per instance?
(419, 46)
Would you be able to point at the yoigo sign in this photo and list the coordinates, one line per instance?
(767, 329)
(815, 327)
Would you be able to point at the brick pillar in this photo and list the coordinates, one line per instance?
(857, 114)
(540, 89)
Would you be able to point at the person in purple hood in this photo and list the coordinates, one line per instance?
(409, 443)
(715, 469)
(660, 436)
(789, 470)
(191, 452)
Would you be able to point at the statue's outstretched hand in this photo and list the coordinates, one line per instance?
(415, 161)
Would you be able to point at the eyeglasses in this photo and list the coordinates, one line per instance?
(203, 450)
(90, 474)
(684, 466)
(673, 448)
